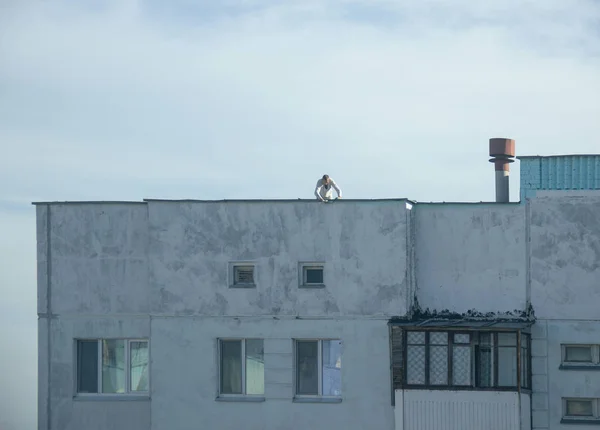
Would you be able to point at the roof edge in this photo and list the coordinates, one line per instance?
(90, 202)
(556, 156)
(272, 200)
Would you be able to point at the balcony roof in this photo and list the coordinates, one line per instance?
(507, 324)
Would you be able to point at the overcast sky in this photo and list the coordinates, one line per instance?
(111, 100)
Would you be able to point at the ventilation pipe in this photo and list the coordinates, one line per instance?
(502, 152)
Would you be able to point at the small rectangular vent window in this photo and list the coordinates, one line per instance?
(313, 275)
(243, 275)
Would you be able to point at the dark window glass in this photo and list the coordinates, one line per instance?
(485, 359)
(525, 361)
(231, 367)
(87, 366)
(314, 275)
(307, 365)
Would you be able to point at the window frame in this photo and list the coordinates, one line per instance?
(581, 419)
(320, 395)
(243, 394)
(302, 279)
(128, 391)
(234, 265)
(522, 385)
(580, 365)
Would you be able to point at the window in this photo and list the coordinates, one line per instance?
(442, 358)
(525, 361)
(312, 274)
(581, 409)
(319, 368)
(112, 366)
(242, 275)
(242, 367)
(574, 355)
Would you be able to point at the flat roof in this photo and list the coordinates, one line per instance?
(90, 202)
(272, 200)
(145, 201)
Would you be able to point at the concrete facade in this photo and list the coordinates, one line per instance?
(160, 270)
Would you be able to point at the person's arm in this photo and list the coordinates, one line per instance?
(318, 191)
(337, 189)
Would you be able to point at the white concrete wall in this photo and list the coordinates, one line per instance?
(525, 400)
(98, 259)
(184, 385)
(362, 243)
(160, 270)
(565, 293)
(551, 384)
(471, 257)
(69, 413)
(458, 410)
(565, 257)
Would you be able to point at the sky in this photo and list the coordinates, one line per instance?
(125, 100)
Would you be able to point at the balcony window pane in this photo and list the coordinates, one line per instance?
(415, 366)
(138, 353)
(461, 365)
(307, 377)
(507, 367)
(87, 366)
(507, 339)
(415, 337)
(231, 367)
(438, 338)
(113, 366)
(438, 365)
(485, 359)
(332, 368)
(525, 361)
(462, 338)
(255, 367)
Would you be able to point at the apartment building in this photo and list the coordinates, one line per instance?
(289, 314)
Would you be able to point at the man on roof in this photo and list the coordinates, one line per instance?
(324, 189)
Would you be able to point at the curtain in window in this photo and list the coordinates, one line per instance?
(139, 366)
(332, 368)
(255, 367)
(113, 366)
(231, 367)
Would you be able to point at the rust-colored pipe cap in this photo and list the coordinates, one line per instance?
(500, 147)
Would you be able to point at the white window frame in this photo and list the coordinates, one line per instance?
(232, 268)
(303, 267)
(319, 367)
(243, 341)
(595, 409)
(128, 392)
(595, 349)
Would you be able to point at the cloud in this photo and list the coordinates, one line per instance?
(109, 100)
(293, 90)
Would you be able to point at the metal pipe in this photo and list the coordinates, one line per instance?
(502, 152)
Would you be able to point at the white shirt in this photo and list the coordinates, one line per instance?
(323, 191)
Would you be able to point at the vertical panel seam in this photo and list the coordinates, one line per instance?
(49, 317)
